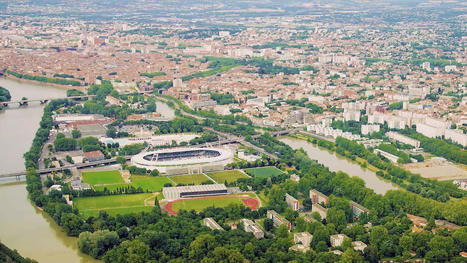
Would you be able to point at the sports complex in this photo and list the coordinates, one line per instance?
(184, 160)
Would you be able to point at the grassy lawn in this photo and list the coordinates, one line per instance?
(229, 176)
(114, 204)
(263, 171)
(150, 183)
(201, 204)
(189, 179)
(103, 177)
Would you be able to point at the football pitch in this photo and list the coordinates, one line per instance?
(229, 176)
(264, 171)
(147, 183)
(102, 177)
(114, 204)
(188, 179)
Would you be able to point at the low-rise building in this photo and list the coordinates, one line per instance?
(303, 238)
(357, 209)
(209, 222)
(295, 177)
(174, 193)
(250, 226)
(337, 240)
(370, 128)
(359, 246)
(94, 156)
(403, 139)
(320, 210)
(278, 219)
(292, 202)
(317, 197)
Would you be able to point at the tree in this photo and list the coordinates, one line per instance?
(307, 203)
(72, 224)
(225, 255)
(282, 231)
(200, 247)
(268, 224)
(120, 160)
(111, 132)
(337, 217)
(65, 144)
(154, 172)
(75, 134)
(351, 256)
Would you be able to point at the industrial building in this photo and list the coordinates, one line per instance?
(174, 193)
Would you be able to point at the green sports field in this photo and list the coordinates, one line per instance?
(189, 179)
(229, 176)
(201, 204)
(114, 204)
(102, 177)
(264, 171)
(148, 183)
(151, 183)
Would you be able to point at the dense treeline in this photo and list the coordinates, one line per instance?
(44, 79)
(4, 94)
(438, 147)
(12, 256)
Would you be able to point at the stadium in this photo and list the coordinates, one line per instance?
(184, 160)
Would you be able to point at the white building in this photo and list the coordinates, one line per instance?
(250, 226)
(430, 131)
(337, 240)
(403, 139)
(370, 128)
(209, 222)
(174, 193)
(359, 246)
(456, 136)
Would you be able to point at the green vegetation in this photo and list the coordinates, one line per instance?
(43, 79)
(189, 179)
(64, 144)
(163, 85)
(139, 183)
(152, 74)
(102, 177)
(396, 105)
(114, 204)
(149, 183)
(222, 99)
(201, 204)
(227, 176)
(389, 148)
(438, 147)
(217, 65)
(264, 171)
(4, 95)
(12, 256)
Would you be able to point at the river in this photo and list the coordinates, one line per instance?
(337, 163)
(22, 226)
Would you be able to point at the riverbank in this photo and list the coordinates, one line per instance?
(28, 81)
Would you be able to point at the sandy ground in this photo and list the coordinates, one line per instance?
(442, 171)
